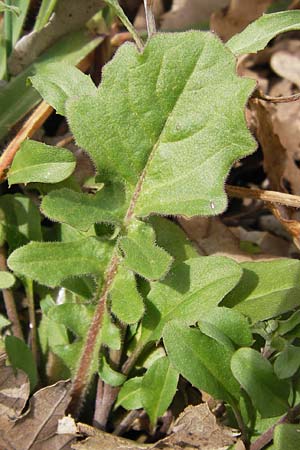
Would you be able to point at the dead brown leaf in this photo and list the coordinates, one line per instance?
(212, 237)
(237, 16)
(14, 393)
(36, 429)
(195, 428)
(287, 65)
(291, 224)
(186, 13)
(279, 164)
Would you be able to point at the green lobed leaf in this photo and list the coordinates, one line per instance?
(142, 255)
(203, 361)
(38, 162)
(126, 302)
(21, 220)
(287, 436)
(158, 388)
(266, 289)
(7, 280)
(20, 357)
(62, 82)
(287, 362)
(178, 104)
(129, 396)
(255, 374)
(231, 323)
(260, 32)
(190, 290)
(109, 375)
(50, 263)
(81, 211)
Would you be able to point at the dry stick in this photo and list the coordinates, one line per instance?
(280, 198)
(9, 302)
(267, 98)
(150, 19)
(267, 436)
(126, 423)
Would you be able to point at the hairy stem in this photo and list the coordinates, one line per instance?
(82, 376)
(9, 302)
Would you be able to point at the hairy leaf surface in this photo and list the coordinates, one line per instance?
(266, 289)
(259, 33)
(190, 351)
(256, 376)
(38, 162)
(50, 263)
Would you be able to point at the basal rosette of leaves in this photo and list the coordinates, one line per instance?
(163, 130)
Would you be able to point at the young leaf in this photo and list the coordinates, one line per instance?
(231, 323)
(142, 255)
(158, 388)
(38, 162)
(266, 289)
(170, 236)
(81, 211)
(50, 263)
(189, 291)
(7, 280)
(62, 83)
(201, 360)
(109, 375)
(286, 437)
(259, 33)
(21, 220)
(130, 394)
(287, 362)
(20, 357)
(255, 374)
(126, 302)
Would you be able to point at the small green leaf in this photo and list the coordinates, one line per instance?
(76, 317)
(57, 83)
(286, 326)
(50, 332)
(81, 211)
(259, 33)
(266, 289)
(7, 280)
(190, 290)
(255, 374)
(287, 436)
(20, 357)
(109, 375)
(231, 323)
(170, 236)
(158, 388)
(142, 255)
(203, 361)
(38, 162)
(215, 333)
(130, 394)
(50, 263)
(21, 220)
(287, 362)
(110, 333)
(126, 302)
